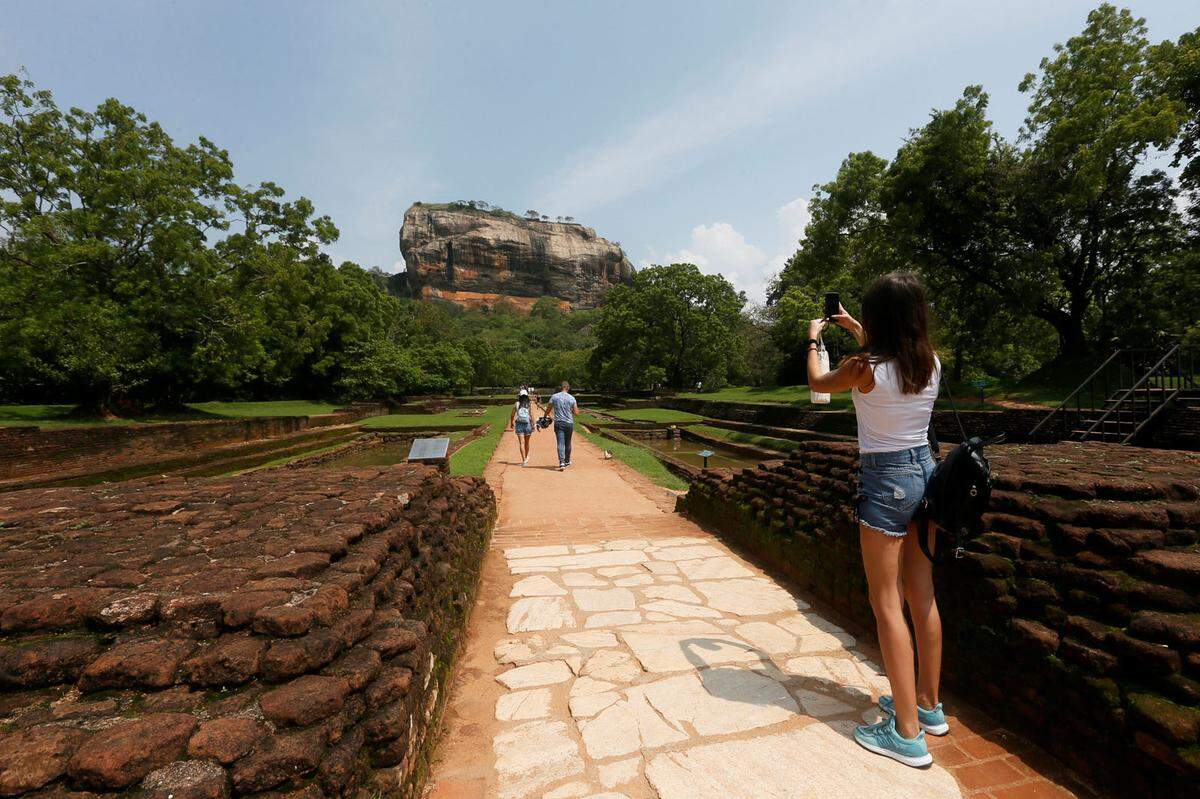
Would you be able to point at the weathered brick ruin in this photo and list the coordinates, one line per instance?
(280, 634)
(1076, 618)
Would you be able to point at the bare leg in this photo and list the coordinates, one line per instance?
(881, 558)
(524, 443)
(917, 578)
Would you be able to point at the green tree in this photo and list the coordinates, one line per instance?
(672, 323)
(1093, 221)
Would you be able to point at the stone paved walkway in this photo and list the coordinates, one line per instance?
(618, 650)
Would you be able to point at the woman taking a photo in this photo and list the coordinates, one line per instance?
(894, 381)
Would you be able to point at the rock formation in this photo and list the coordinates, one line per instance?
(477, 258)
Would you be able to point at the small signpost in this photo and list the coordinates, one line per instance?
(429, 450)
(706, 454)
(981, 385)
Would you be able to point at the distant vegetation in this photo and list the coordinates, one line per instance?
(137, 275)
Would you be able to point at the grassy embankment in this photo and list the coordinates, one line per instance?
(738, 437)
(66, 416)
(474, 456)
(639, 459)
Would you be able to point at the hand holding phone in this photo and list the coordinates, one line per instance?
(833, 303)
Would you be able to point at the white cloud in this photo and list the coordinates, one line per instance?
(767, 80)
(719, 248)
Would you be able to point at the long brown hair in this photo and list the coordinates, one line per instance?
(895, 317)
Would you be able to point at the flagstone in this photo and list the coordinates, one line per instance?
(824, 642)
(533, 755)
(660, 567)
(613, 665)
(592, 600)
(678, 593)
(754, 768)
(619, 772)
(614, 618)
(682, 610)
(572, 790)
(687, 553)
(627, 726)
(653, 616)
(808, 623)
(680, 540)
(669, 578)
(636, 579)
(590, 685)
(592, 639)
(721, 701)
(523, 705)
(618, 571)
(538, 585)
(748, 597)
(819, 705)
(718, 568)
(583, 549)
(539, 613)
(588, 705)
(518, 553)
(582, 580)
(589, 560)
(682, 650)
(767, 637)
(535, 675)
(518, 650)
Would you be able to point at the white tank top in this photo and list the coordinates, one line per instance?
(890, 420)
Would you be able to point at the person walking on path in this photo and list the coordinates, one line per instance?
(564, 408)
(894, 382)
(521, 420)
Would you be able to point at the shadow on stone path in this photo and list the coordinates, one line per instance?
(618, 650)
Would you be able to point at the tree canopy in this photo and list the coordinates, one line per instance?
(1068, 231)
(674, 327)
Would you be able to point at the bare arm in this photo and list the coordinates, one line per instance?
(850, 374)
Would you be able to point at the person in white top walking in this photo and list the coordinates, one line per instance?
(894, 382)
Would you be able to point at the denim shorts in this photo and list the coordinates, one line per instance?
(890, 488)
(524, 428)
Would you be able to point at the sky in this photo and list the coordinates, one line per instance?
(687, 131)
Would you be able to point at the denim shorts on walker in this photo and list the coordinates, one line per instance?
(524, 428)
(890, 488)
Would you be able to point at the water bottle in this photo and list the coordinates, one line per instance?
(818, 397)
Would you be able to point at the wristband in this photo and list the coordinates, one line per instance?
(813, 341)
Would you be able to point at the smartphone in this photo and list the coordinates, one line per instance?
(833, 303)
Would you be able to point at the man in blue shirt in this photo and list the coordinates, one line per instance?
(564, 408)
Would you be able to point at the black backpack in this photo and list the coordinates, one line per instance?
(958, 492)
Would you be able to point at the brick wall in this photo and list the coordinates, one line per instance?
(282, 634)
(1077, 617)
(70, 451)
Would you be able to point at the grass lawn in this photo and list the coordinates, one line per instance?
(60, 415)
(663, 415)
(641, 460)
(772, 395)
(474, 456)
(738, 437)
(431, 421)
(245, 410)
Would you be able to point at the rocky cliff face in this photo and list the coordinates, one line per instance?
(477, 258)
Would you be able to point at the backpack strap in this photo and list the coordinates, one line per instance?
(953, 407)
(923, 537)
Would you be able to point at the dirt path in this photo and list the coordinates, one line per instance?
(618, 650)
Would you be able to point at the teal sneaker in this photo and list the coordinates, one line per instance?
(883, 739)
(931, 721)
